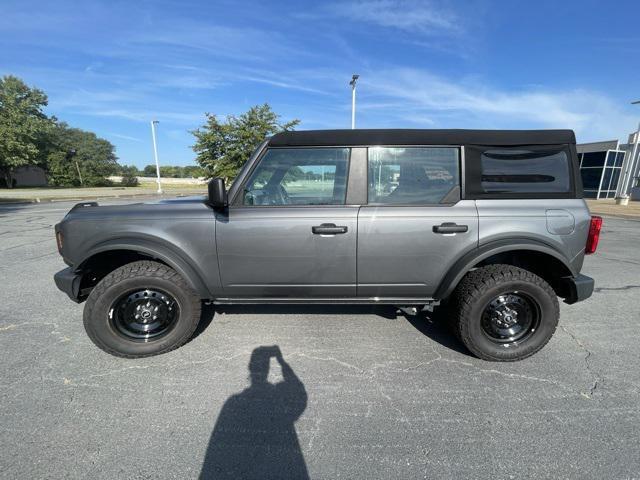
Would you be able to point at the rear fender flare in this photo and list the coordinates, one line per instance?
(462, 266)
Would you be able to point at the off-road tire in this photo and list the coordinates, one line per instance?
(478, 288)
(132, 276)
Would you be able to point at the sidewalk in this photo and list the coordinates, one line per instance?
(609, 207)
(37, 195)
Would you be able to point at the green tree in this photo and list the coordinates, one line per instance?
(223, 147)
(79, 158)
(23, 125)
(171, 172)
(193, 171)
(129, 169)
(149, 171)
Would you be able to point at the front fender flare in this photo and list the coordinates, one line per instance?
(168, 254)
(465, 263)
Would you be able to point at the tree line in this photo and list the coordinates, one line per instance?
(166, 171)
(72, 157)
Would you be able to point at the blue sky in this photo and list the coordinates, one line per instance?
(112, 66)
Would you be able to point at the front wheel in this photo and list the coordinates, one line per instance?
(141, 309)
(504, 313)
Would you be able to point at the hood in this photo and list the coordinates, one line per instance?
(185, 207)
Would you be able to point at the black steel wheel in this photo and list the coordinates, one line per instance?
(143, 315)
(510, 317)
(141, 309)
(504, 313)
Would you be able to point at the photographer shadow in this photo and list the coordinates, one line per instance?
(254, 435)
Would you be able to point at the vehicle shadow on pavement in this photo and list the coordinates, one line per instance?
(434, 325)
(254, 435)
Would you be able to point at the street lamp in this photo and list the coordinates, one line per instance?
(70, 154)
(632, 166)
(353, 81)
(155, 152)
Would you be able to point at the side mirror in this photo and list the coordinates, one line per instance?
(217, 193)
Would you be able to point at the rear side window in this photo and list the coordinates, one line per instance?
(411, 175)
(519, 171)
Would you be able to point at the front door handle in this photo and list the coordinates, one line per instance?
(328, 229)
(450, 227)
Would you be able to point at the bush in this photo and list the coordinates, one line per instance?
(97, 182)
(129, 181)
(129, 176)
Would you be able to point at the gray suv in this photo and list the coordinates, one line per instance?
(491, 222)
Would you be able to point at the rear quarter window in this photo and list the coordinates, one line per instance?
(527, 171)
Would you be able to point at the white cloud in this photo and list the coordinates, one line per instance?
(288, 81)
(420, 17)
(123, 137)
(195, 38)
(421, 98)
(144, 115)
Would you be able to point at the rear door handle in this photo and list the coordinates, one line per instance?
(328, 229)
(450, 227)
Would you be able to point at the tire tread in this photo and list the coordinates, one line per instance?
(142, 268)
(474, 284)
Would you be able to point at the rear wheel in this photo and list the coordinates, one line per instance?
(141, 309)
(504, 313)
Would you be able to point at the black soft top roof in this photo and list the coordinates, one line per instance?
(327, 138)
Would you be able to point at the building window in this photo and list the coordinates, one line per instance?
(601, 173)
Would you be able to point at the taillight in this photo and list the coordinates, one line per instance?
(594, 235)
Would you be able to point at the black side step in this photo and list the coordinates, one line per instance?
(327, 300)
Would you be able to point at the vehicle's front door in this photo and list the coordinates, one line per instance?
(289, 233)
(414, 226)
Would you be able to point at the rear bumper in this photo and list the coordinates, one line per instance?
(68, 281)
(579, 288)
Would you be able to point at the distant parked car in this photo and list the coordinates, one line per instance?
(492, 221)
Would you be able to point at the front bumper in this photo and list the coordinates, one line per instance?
(579, 288)
(68, 281)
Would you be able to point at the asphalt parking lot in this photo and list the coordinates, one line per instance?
(364, 393)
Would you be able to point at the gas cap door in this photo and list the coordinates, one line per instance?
(560, 222)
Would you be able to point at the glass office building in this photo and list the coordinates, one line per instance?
(601, 168)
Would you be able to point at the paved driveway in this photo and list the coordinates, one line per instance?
(361, 392)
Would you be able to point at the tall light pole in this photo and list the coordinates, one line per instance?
(155, 152)
(631, 164)
(634, 154)
(70, 154)
(353, 81)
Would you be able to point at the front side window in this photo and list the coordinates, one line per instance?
(522, 170)
(411, 175)
(299, 176)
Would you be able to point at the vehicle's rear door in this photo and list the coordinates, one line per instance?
(414, 226)
(289, 232)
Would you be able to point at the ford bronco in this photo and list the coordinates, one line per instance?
(492, 222)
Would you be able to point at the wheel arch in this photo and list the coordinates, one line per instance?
(540, 258)
(105, 257)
